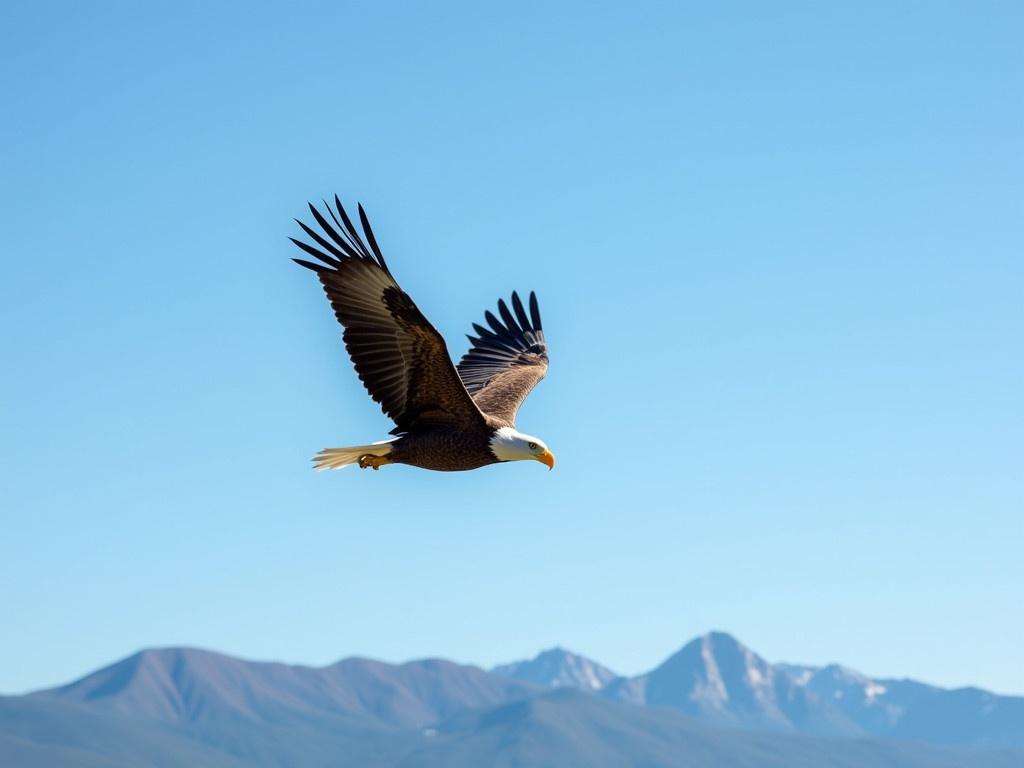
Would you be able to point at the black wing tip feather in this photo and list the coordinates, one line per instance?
(318, 268)
(535, 312)
(370, 238)
(343, 241)
(504, 344)
(520, 322)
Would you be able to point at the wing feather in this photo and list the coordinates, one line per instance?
(505, 361)
(399, 356)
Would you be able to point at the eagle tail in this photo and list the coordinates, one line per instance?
(336, 458)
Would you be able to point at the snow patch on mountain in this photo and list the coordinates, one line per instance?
(558, 668)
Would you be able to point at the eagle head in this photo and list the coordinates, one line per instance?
(508, 444)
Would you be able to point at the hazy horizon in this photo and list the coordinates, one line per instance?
(486, 666)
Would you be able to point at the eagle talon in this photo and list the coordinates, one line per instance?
(369, 460)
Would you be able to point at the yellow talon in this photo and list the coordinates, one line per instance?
(369, 460)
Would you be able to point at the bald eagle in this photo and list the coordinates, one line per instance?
(447, 417)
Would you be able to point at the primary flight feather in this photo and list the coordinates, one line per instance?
(446, 417)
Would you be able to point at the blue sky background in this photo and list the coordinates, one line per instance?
(779, 256)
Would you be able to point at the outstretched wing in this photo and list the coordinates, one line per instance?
(399, 356)
(507, 360)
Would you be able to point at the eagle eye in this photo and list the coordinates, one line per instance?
(532, 446)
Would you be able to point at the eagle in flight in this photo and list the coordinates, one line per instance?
(446, 417)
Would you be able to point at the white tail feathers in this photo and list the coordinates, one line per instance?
(336, 458)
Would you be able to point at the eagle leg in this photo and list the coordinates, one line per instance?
(369, 460)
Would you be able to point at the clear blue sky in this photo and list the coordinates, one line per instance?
(780, 256)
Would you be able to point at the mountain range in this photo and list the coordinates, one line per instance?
(713, 703)
(717, 680)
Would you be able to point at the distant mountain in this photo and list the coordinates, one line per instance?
(570, 729)
(719, 681)
(556, 668)
(49, 733)
(906, 709)
(714, 702)
(564, 728)
(186, 684)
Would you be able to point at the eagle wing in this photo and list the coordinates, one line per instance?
(505, 361)
(399, 356)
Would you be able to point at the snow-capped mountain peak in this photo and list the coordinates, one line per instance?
(557, 667)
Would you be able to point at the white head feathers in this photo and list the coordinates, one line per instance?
(511, 445)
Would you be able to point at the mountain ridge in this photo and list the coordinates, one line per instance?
(181, 683)
(712, 702)
(720, 681)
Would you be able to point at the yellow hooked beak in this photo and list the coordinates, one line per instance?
(546, 457)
